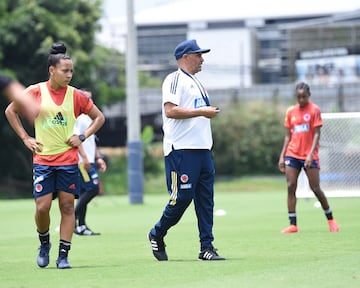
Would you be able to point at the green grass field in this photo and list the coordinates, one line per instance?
(258, 255)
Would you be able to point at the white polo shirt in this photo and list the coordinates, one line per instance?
(183, 90)
(89, 145)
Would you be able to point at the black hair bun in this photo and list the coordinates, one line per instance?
(58, 48)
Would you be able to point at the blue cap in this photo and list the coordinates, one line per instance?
(188, 47)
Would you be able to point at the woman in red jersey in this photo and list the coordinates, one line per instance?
(301, 151)
(55, 148)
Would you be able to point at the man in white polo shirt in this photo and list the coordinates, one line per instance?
(187, 143)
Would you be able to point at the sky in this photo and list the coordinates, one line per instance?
(197, 10)
(117, 8)
(194, 11)
(200, 8)
(115, 11)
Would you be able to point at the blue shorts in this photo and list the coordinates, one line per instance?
(89, 179)
(52, 179)
(299, 163)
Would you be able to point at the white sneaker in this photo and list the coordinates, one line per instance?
(83, 230)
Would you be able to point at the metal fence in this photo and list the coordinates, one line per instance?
(330, 98)
(334, 98)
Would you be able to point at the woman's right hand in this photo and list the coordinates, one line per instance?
(32, 144)
(281, 165)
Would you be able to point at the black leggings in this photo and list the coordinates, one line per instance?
(82, 202)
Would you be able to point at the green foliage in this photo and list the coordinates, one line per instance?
(248, 139)
(109, 76)
(147, 81)
(152, 163)
(147, 135)
(115, 177)
(29, 27)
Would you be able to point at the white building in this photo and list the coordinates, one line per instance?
(245, 48)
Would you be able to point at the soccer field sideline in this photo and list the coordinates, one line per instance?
(247, 235)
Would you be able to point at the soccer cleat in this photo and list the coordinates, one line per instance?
(290, 229)
(333, 226)
(158, 247)
(209, 254)
(63, 263)
(43, 256)
(83, 230)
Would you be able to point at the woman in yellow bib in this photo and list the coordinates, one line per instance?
(55, 149)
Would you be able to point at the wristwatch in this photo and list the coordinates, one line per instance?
(82, 137)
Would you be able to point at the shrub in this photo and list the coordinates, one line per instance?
(248, 139)
(115, 179)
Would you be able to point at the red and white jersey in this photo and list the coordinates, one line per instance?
(302, 122)
(185, 90)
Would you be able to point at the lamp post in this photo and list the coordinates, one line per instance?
(134, 143)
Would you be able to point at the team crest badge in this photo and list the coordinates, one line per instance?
(307, 117)
(38, 188)
(184, 178)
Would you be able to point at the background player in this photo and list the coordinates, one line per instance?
(90, 161)
(301, 151)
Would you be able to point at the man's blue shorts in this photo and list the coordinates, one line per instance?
(299, 163)
(52, 179)
(89, 179)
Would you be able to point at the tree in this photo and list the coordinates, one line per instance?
(29, 27)
(248, 138)
(109, 76)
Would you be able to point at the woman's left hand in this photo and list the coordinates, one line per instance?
(74, 141)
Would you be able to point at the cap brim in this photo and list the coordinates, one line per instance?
(199, 51)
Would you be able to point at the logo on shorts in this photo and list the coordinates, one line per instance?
(38, 188)
(96, 181)
(184, 178)
(72, 186)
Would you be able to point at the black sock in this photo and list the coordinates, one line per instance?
(64, 247)
(292, 218)
(328, 214)
(44, 237)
